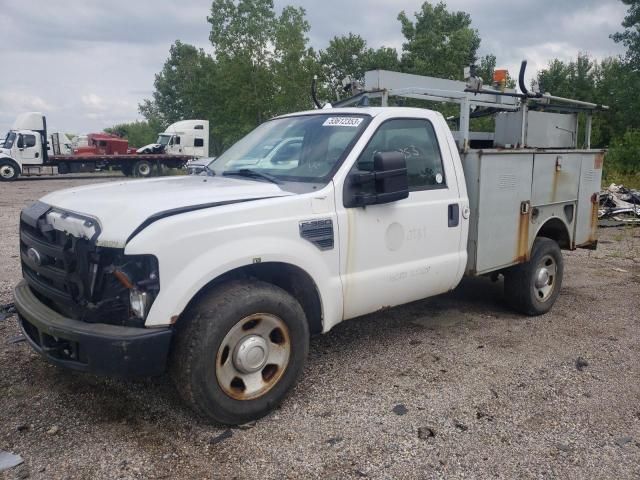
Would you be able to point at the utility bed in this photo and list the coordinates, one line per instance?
(513, 192)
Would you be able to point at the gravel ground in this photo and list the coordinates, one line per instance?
(453, 386)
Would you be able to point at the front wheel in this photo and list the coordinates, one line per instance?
(533, 287)
(239, 351)
(8, 170)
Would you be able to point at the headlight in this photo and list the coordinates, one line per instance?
(139, 303)
(139, 275)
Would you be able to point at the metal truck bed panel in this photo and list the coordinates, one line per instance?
(513, 194)
(118, 158)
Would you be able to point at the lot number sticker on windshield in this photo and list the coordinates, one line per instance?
(342, 122)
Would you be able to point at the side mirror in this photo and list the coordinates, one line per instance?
(20, 143)
(387, 183)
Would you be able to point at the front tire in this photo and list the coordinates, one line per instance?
(9, 170)
(239, 351)
(533, 287)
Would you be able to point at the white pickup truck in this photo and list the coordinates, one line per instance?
(221, 278)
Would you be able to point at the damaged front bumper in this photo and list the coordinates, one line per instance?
(91, 347)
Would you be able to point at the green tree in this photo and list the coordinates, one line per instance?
(617, 86)
(184, 89)
(241, 34)
(349, 56)
(264, 65)
(575, 79)
(624, 153)
(630, 37)
(138, 133)
(439, 43)
(294, 63)
(183, 86)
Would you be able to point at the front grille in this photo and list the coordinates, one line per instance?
(70, 274)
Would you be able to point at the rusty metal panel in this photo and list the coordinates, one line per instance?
(502, 211)
(555, 178)
(586, 229)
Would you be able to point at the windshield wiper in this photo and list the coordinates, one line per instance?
(210, 173)
(247, 172)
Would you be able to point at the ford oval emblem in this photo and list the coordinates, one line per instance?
(34, 256)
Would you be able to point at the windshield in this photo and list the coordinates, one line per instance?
(8, 142)
(163, 139)
(305, 148)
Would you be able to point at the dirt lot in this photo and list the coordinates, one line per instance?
(455, 386)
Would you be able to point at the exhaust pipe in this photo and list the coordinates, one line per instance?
(314, 96)
(521, 82)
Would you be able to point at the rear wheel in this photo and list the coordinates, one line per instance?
(8, 170)
(533, 287)
(239, 351)
(142, 168)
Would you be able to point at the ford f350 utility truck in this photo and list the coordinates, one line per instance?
(222, 277)
(28, 150)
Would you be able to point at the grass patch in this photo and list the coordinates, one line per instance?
(629, 180)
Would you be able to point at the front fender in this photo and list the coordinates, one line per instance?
(179, 288)
(195, 248)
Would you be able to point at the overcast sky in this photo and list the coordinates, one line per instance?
(87, 64)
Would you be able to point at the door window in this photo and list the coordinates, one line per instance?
(29, 141)
(416, 140)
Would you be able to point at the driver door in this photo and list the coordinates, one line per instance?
(29, 148)
(410, 249)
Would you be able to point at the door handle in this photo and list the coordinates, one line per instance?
(454, 215)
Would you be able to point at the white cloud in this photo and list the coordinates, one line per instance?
(23, 102)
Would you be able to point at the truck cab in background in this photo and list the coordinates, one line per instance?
(186, 137)
(23, 145)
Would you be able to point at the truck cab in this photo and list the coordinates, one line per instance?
(21, 147)
(186, 137)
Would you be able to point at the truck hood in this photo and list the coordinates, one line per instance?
(150, 146)
(124, 208)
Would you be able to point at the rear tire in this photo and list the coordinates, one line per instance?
(142, 169)
(533, 287)
(239, 350)
(9, 170)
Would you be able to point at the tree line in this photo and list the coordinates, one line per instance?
(262, 66)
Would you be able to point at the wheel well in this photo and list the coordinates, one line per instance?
(13, 162)
(290, 278)
(555, 229)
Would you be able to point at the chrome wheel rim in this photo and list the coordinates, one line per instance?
(545, 278)
(7, 171)
(253, 356)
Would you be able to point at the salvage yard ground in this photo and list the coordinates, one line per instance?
(453, 386)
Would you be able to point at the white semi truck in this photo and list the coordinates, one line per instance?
(29, 149)
(221, 278)
(186, 137)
